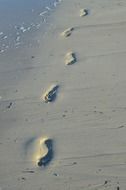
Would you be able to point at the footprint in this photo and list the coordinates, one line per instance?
(67, 32)
(83, 12)
(9, 106)
(39, 150)
(44, 160)
(50, 94)
(70, 58)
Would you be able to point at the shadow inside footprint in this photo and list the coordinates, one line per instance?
(45, 160)
(70, 58)
(67, 32)
(51, 95)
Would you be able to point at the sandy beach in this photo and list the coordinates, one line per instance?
(62, 102)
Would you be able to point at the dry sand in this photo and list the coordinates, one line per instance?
(87, 120)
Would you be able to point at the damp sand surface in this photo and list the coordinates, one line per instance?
(86, 123)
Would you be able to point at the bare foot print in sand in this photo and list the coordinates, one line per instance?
(44, 157)
(50, 94)
(41, 151)
(83, 12)
(70, 58)
(67, 32)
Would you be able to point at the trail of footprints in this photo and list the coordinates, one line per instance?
(43, 151)
(70, 58)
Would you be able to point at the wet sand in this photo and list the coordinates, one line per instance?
(86, 121)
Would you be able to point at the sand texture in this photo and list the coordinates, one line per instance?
(77, 141)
